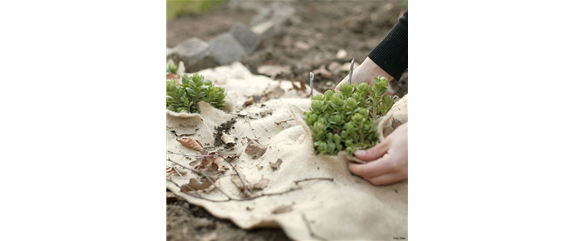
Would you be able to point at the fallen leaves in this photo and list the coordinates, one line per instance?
(195, 185)
(222, 129)
(255, 149)
(228, 140)
(282, 209)
(261, 184)
(301, 89)
(169, 171)
(191, 143)
(240, 181)
(275, 165)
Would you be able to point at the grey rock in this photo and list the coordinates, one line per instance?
(226, 49)
(168, 51)
(247, 38)
(195, 54)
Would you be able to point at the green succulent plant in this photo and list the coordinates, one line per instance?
(345, 120)
(171, 68)
(193, 89)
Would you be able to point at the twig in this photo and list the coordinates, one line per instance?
(204, 175)
(240, 179)
(195, 155)
(309, 228)
(175, 169)
(249, 122)
(315, 178)
(279, 122)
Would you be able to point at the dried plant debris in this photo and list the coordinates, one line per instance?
(271, 92)
(301, 89)
(228, 140)
(195, 185)
(255, 149)
(261, 184)
(283, 209)
(220, 130)
(191, 143)
(240, 181)
(249, 101)
(219, 163)
(275, 165)
(170, 171)
(212, 164)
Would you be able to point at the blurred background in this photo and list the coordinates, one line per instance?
(296, 36)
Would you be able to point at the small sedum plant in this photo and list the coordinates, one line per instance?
(171, 68)
(345, 120)
(194, 88)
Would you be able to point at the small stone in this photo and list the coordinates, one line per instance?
(334, 68)
(247, 38)
(341, 54)
(265, 29)
(226, 49)
(302, 45)
(273, 70)
(194, 53)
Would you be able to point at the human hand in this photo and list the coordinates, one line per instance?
(366, 72)
(388, 161)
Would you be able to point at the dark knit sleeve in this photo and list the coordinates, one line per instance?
(392, 53)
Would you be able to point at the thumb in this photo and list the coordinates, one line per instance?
(373, 153)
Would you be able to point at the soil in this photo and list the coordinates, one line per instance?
(311, 41)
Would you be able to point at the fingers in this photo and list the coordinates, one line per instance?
(374, 168)
(389, 178)
(375, 152)
(383, 171)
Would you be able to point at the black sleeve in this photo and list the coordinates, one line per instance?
(392, 53)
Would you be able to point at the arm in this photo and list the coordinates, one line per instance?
(388, 59)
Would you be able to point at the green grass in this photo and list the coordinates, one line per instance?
(177, 8)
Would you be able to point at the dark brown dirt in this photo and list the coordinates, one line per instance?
(325, 26)
(205, 26)
(189, 222)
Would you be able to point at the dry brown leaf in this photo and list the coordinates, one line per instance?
(283, 209)
(295, 87)
(219, 162)
(169, 171)
(191, 143)
(254, 149)
(261, 184)
(302, 83)
(171, 76)
(249, 101)
(196, 185)
(276, 164)
(227, 139)
(235, 179)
